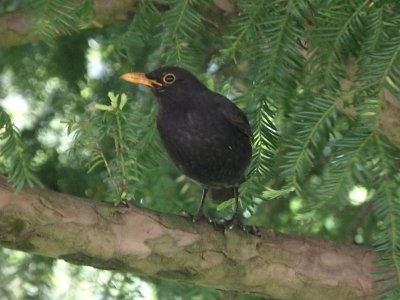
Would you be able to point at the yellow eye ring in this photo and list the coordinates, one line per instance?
(169, 78)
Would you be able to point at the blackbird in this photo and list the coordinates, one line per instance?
(206, 135)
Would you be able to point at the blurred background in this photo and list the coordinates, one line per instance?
(319, 81)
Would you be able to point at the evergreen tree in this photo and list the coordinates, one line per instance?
(319, 81)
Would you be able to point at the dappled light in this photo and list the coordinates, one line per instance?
(316, 167)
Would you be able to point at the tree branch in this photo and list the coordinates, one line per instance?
(136, 240)
(15, 27)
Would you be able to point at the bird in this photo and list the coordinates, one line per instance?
(205, 134)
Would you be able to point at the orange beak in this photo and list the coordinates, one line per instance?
(140, 78)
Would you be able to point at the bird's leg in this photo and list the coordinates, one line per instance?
(123, 203)
(253, 230)
(234, 220)
(199, 212)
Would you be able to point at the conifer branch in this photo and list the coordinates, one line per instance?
(16, 27)
(135, 240)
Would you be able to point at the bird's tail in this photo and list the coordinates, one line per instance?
(222, 194)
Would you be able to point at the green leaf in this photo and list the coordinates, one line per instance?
(124, 100)
(104, 107)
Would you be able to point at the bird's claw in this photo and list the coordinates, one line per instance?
(251, 229)
(197, 216)
(232, 223)
(123, 203)
(222, 225)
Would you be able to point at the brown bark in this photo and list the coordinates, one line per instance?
(136, 240)
(389, 120)
(16, 27)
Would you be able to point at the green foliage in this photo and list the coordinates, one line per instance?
(133, 146)
(312, 128)
(18, 164)
(25, 277)
(181, 24)
(338, 34)
(59, 17)
(313, 76)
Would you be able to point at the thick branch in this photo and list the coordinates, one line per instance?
(134, 240)
(15, 27)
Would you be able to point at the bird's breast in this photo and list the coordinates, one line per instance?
(204, 146)
(191, 129)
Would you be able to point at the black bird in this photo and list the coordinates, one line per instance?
(205, 134)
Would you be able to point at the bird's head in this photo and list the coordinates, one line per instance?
(165, 80)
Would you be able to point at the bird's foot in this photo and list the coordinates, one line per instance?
(232, 223)
(123, 203)
(222, 225)
(197, 216)
(235, 223)
(219, 224)
(251, 229)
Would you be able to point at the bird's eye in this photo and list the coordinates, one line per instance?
(169, 78)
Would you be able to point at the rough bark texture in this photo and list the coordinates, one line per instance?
(135, 240)
(15, 27)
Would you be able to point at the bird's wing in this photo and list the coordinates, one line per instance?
(234, 115)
